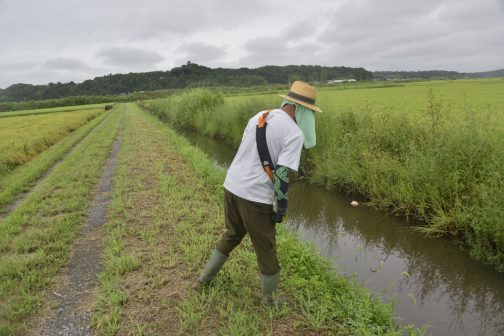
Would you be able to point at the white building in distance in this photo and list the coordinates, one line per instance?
(338, 81)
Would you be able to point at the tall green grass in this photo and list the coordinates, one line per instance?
(208, 112)
(428, 155)
(320, 302)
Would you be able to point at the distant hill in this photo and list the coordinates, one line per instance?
(433, 74)
(194, 75)
(189, 75)
(494, 73)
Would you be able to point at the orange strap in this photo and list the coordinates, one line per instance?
(268, 171)
(262, 119)
(262, 146)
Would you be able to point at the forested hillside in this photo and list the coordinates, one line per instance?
(189, 75)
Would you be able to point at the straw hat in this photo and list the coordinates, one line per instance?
(303, 94)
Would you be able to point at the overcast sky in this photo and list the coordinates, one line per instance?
(45, 41)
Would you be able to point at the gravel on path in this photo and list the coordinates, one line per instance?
(76, 294)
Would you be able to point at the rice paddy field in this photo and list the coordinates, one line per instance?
(427, 150)
(109, 216)
(23, 137)
(50, 110)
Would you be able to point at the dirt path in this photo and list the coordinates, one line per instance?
(77, 291)
(9, 208)
(162, 216)
(146, 214)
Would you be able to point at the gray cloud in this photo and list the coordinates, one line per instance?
(200, 52)
(279, 51)
(187, 17)
(293, 44)
(16, 66)
(39, 75)
(455, 35)
(464, 35)
(128, 56)
(265, 44)
(65, 63)
(300, 30)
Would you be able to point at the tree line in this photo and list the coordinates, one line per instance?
(436, 74)
(185, 76)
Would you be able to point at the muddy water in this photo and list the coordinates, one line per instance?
(430, 280)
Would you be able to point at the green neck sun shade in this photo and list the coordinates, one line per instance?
(305, 119)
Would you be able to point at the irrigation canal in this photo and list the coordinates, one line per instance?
(430, 279)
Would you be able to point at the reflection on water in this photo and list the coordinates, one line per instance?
(431, 280)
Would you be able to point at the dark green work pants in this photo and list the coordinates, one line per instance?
(242, 217)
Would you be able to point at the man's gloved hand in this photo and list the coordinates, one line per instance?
(279, 215)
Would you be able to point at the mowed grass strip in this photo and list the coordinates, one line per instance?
(166, 215)
(25, 137)
(20, 178)
(35, 239)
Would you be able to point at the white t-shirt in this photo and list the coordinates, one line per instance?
(246, 177)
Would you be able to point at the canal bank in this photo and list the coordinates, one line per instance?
(430, 280)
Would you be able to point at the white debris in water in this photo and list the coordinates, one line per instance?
(354, 203)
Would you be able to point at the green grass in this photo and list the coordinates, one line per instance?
(51, 110)
(431, 150)
(167, 210)
(20, 178)
(35, 239)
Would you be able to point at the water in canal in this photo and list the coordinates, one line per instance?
(430, 279)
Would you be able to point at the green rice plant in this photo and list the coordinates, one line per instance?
(25, 137)
(39, 111)
(19, 179)
(430, 150)
(35, 238)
